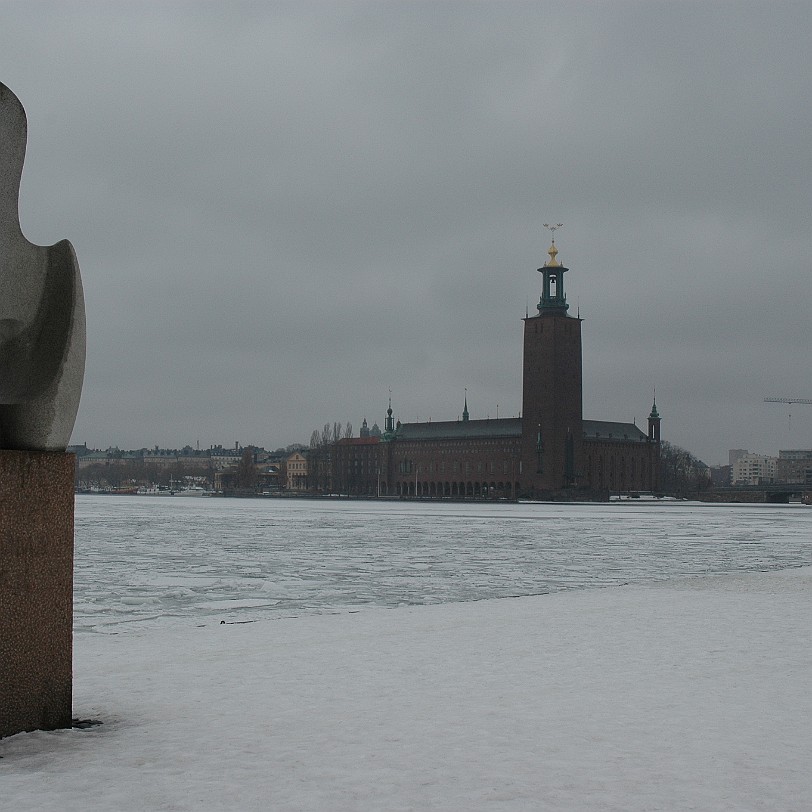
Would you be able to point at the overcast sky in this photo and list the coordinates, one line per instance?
(283, 210)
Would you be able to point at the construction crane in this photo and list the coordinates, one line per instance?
(789, 401)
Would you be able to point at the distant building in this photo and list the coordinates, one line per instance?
(369, 432)
(548, 452)
(795, 455)
(733, 456)
(296, 472)
(222, 458)
(357, 465)
(753, 469)
(794, 466)
(720, 475)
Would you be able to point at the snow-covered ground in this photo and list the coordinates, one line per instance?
(688, 693)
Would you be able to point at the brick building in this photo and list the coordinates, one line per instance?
(551, 451)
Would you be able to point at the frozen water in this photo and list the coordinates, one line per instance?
(148, 561)
(677, 692)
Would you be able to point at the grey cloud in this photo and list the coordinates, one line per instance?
(281, 210)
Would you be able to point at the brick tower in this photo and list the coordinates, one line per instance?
(552, 410)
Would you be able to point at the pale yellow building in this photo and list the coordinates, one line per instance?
(296, 468)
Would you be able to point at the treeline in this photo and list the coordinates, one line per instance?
(681, 473)
(138, 472)
(330, 434)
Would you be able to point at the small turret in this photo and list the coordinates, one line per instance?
(654, 423)
(389, 423)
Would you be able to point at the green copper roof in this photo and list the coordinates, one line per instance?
(461, 430)
(616, 432)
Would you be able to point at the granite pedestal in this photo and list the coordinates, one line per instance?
(36, 590)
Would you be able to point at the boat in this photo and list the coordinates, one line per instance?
(193, 490)
(154, 490)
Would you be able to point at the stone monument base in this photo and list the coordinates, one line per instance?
(36, 590)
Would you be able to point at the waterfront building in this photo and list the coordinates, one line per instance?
(551, 451)
(296, 472)
(794, 466)
(754, 469)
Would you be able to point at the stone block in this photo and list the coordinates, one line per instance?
(36, 590)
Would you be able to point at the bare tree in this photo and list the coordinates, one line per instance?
(681, 472)
(320, 456)
(247, 470)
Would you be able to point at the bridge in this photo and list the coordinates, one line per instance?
(778, 494)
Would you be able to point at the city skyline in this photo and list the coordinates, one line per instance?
(281, 212)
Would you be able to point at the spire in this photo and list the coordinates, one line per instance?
(655, 415)
(465, 408)
(654, 422)
(389, 425)
(552, 262)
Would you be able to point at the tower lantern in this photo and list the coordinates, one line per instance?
(553, 298)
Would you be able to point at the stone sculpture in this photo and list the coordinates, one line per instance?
(42, 361)
(42, 314)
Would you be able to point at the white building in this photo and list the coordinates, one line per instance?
(753, 469)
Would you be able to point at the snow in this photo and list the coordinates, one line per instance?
(687, 693)
(684, 695)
